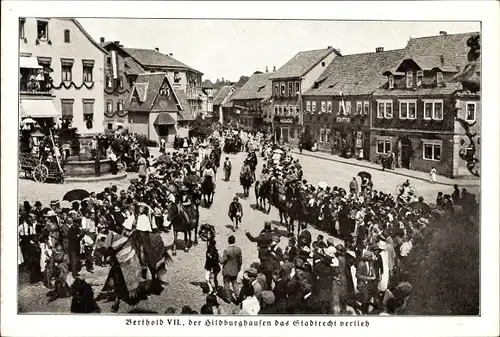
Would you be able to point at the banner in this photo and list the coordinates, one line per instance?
(114, 64)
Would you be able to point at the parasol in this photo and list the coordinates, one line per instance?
(278, 151)
(418, 205)
(323, 184)
(76, 195)
(28, 121)
(364, 174)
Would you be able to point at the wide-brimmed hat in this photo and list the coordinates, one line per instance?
(330, 251)
(382, 245)
(50, 213)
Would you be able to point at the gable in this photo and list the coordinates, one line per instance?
(166, 99)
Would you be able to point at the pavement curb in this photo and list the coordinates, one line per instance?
(361, 164)
(110, 177)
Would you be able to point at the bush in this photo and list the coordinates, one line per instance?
(307, 141)
(145, 142)
(201, 128)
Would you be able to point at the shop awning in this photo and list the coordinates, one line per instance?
(38, 108)
(164, 118)
(29, 62)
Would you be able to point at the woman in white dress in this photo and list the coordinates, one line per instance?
(433, 174)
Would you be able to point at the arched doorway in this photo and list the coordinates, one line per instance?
(405, 152)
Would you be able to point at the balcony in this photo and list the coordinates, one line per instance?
(35, 83)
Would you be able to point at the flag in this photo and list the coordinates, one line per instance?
(342, 104)
(114, 64)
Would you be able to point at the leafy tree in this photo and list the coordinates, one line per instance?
(201, 128)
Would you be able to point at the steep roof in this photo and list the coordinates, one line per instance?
(147, 86)
(185, 114)
(153, 58)
(87, 35)
(301, 63)
(356, 74)
(132, 67)
(207, 84)
(221, 94)
(452, 47)
(259, 86)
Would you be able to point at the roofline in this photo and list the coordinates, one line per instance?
(155, 65)
(434, 36)
(309, 69)
(87, 35)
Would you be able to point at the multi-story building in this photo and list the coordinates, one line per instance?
(208, 100)
(156, 109)
(289, 83)
(336, 110)
(247, 101)
(418, 116)
(222, 103)
(61, 74)
(182, 76)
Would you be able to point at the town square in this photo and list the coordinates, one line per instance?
(328, 181)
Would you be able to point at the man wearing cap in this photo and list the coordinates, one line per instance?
(263, 241)
(268, 306)
(323, 278)
(272, 261)
(250, 281)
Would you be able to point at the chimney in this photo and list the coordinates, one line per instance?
(117, 43)
(171, 54)
(157, 49)
(443, 33)
(329, 47)
(102, 40)
(267, 69)
(379, 49)
(274, 69)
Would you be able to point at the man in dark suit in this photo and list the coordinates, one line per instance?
(263, 241)
(75, 235)
(231, 261)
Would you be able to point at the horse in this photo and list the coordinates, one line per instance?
(135, 269)
(279, 201)
(263, 192)
(246, 180)
(184, 219)
(295, 211)
(208, 191)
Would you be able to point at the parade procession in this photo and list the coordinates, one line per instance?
(143, 189)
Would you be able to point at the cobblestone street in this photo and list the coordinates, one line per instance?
(185, 273)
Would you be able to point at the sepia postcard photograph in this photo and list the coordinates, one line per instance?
(172, 170)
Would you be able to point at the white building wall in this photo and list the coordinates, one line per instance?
(315, 72)
(78, 49)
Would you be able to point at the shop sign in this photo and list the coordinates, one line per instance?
(343, 120)
(286, 120)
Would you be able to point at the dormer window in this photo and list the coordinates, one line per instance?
(409, 79)
(420, 76)
(391, 82)
(439, 78)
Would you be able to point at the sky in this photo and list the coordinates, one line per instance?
(231, 48)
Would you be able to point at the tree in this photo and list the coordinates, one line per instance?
(201, 128)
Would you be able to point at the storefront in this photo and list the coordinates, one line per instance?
(286, 130)
(350, 137)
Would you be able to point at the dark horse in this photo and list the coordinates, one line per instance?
(208, 190)
(263, 193)
(246, 180)
(184, 219)
(279, 201)
(295, 210)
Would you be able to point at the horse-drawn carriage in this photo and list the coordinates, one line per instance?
(40, 169)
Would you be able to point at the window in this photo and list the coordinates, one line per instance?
(433, 109)
(290, 88)
(297, 87)
(279, 110)
(323, 106)
(290, 110)
(108, 60)
(329, 107)
(177, 77)
(119, 105)
(120, 82)
(67, 36)
(409, 79)
(282, 92)
(321, 135)
(42, 30)
(407, 109)
(439, 78)
(285, 112)
(391, 82)
(21, 28)
(66, 72)
(471, 112)
(420, 76)
(432, 150)
(323, 64)
(109, 105)
(88, 67)
(276, 89)
(348, 108)
(341, 108)
(328, 135)
(383, 146)
(359, 108)
(297, 110)
(109, 82)
(88, 108)
(67, 108)
(276, 110)
(366, 107)
(308, 106)
(313, 106)
(384, 109)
